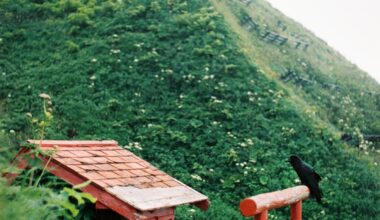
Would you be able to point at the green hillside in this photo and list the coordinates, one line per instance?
(336, 90)
(173, 82)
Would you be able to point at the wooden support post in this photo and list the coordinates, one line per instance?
(296, 211)
(262, 216)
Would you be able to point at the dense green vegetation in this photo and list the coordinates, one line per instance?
(320, 75)
(167, 80)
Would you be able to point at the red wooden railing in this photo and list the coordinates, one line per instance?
(258, 206)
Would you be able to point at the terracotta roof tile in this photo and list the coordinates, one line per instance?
(172, 183)
(139, 172)
(100, 160)
(94, 175)
(105, 167)
(132, 159)
(80, 153)
(109, 174)
(117, 159)
(113, 182)
(64, 154)
(135, 166)
(97, 153)
(69, 161)
(88, 167)
(110, 152)
(121, 166)
(109, 166)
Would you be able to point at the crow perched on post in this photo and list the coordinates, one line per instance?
(307, 176)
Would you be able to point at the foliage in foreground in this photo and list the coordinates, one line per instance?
(166, 79)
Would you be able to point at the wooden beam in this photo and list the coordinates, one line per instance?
(257, 204)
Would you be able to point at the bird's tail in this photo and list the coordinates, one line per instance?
(318, 196)
(319, 200)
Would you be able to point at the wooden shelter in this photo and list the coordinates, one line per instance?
(120, 181)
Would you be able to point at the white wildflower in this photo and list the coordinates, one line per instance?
(44, 96)
(196, 177)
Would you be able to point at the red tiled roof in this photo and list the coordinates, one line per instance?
(120, 173)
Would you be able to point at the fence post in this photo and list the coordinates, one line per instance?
(262, 216)
(296, 211)
(258, 206)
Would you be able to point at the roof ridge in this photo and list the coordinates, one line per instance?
(76, 143)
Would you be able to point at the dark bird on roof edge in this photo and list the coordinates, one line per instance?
(308, 176)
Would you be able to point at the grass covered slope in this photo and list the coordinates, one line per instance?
(337, 90)
(167, 80)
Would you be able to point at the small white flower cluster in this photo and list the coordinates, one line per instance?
(136, 145)
(93, 77)
(288, 131)
(252, 96)
(94, 60)
(45, 96)
(243, 164)
(139, 45)
(196, 177)
(215, 100)
(115, 51)
(206, 77)
(182, 96)
(188, 77)
(271, 216)
(215, 123)
(154, 52)
(247, 142)
(231, 135)
(347, 100)
(168, 71)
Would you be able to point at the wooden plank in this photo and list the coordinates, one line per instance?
(155, 198)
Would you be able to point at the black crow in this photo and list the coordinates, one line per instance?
(308, 176)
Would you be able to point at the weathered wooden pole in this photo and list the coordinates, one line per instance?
(259, 205)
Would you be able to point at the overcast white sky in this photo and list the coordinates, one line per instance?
(351, 27)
